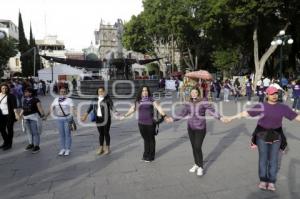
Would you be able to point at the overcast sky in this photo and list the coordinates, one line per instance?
(73, 21)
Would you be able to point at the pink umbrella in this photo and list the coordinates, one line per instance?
(201, 74)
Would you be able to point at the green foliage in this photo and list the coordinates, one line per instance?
(154, 68)
(23, 47)
(136, 38)
(225, 59)
(217, 32)
(8, 48)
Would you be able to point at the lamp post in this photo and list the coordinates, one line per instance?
(2, 34)
(51, 65)
(281, 40)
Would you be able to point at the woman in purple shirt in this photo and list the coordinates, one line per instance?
(144, 105)
(268, 135)
(195, 110)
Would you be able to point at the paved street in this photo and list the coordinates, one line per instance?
(230, 166)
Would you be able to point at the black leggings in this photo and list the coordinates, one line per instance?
(148, 134)
(103, 129)
(7, 129)
(196, 138)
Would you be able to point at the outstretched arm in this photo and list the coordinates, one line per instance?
(238, 116)
(298, 118)
(130, 111)
(159, 108)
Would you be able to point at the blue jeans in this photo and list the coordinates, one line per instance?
(32, 132)
(296, 103)
(226, 94)
(249, 95)
(268, 160)
(64, 132)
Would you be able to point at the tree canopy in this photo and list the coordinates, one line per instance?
(217, 33)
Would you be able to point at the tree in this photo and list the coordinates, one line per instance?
(33, 52)
(8, 49)
(135, 36)
(23, 47)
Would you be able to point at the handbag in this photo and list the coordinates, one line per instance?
(71, 122)
(72, 125)
(93, 115)
(159, 119)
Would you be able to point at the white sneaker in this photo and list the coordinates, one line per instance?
(61, 152)
(294, 109)
(67, 152)
(193, 169)
(199, 171)
(248, 103)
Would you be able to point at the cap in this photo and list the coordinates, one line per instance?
(271, 90)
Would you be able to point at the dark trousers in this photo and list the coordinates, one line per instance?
(148, 134)
(6, 129)
(103, 129)
(196, 138)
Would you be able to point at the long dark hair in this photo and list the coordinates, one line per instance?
(8, 88)
(139, 94)
(199, 94)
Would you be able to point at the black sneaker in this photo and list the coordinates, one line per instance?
(29, 147)
(36, 149)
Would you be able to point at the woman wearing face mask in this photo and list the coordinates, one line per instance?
(196, 109)
(8, 116)
(268, 135)
(31, 112)
(63, 110)
(144, 105)
(101, 107)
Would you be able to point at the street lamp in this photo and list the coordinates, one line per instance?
(281, 40)
(2, 34)
(51, 65)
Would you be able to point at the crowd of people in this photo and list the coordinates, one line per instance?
(268, 135)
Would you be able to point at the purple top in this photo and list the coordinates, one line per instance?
(260, 90)
(227, 86)
(145, 111)
(271, 115)
(296, 90)
(248, 87)
(196, 114)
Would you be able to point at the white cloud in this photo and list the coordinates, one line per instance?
(74, 22)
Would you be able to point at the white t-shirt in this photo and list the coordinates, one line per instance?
(3, 104)
(99, 113)
(266, 82)
(66, 105)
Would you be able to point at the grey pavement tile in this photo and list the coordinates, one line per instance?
(38, 196)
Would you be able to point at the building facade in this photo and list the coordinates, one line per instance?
(11, 31)
(51, 46)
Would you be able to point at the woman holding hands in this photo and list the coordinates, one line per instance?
(144, 105)
(196, 123)
(268, 135)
